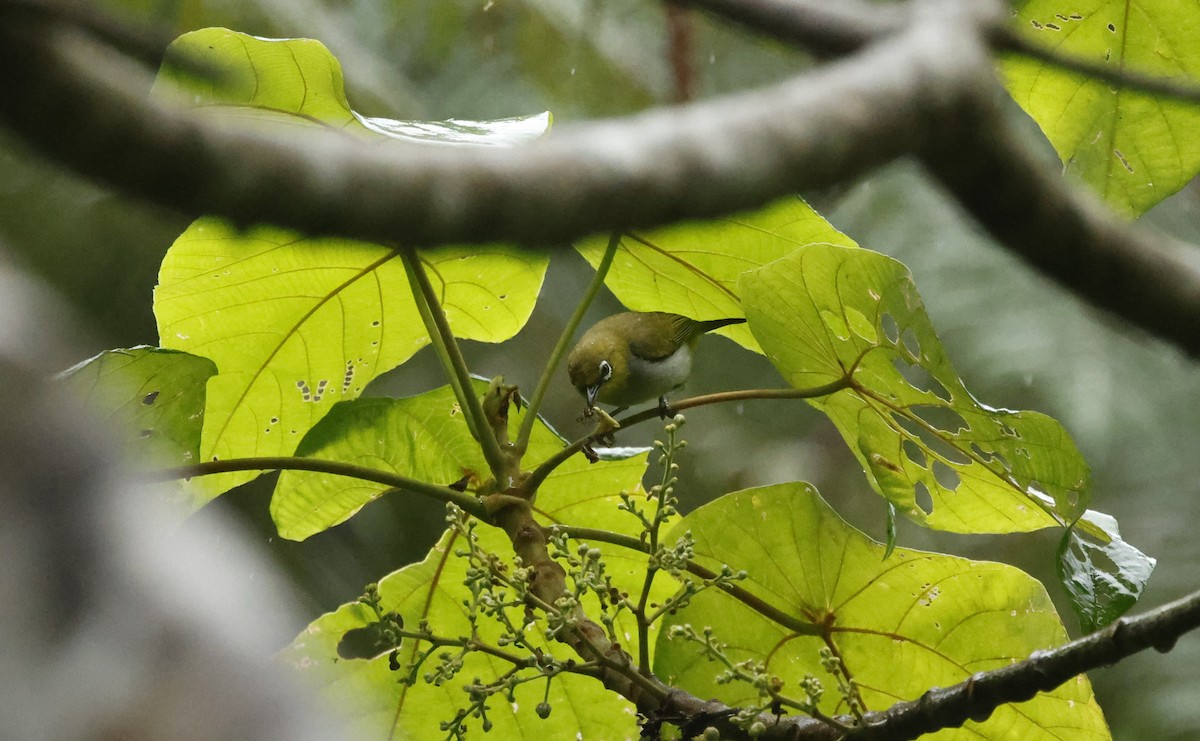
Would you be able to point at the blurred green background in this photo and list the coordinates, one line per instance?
(1017, 340)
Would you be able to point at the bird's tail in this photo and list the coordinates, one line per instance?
(711, 324)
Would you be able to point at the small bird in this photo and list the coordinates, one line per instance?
(635, 356)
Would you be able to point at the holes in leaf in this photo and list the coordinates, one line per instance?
(910, 344)
(946, 476)
(943, 418)
(924, 498)
(931, 442)
(1008, 431)
(921, 379)
(890, 329)
(913, 452)
(988, 456)
(1035, 490)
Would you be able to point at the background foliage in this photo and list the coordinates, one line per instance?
(1019, 341)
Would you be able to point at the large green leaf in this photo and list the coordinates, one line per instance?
(901, 625)
(295, 324)
(433, 591)
(1134, 148)
(942, 458)
(423, 437)
(298, 82)
(152, 403)
(693, 268)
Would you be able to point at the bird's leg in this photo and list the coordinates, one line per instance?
(664, 409)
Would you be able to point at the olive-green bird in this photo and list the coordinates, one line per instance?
(629, 358)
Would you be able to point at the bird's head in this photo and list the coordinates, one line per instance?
(599, 362)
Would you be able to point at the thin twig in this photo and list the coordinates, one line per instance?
(826, 29)
(604, 425)
(797, 625)
(564, 341)
(739, 395)
(468, 502)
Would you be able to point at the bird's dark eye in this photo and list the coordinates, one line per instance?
(605, 370)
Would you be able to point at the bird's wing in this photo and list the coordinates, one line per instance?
(667, 333)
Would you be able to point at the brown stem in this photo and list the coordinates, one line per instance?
(680, 51)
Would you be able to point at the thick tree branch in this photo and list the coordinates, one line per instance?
(66, 96)
(925, 88)
(974, 699)
(1146, 278)
(977, 697)
(836, 29)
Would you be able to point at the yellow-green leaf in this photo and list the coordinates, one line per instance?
(943, 459)
(152, 403)
(900, 625)
(295, 325)
(298, 83)
(1133, 148)
(693, 268)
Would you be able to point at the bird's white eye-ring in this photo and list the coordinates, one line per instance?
(605, 370)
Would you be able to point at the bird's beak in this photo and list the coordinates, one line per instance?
(591, 395)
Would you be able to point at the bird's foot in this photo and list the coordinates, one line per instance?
(664, 409)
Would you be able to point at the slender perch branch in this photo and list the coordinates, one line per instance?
(468, 502)
(739, 395)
